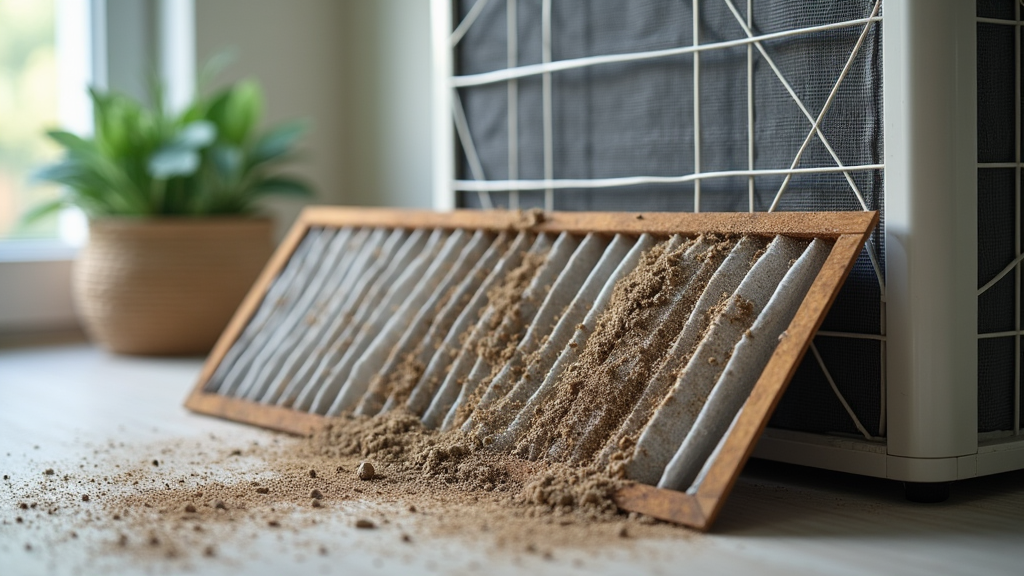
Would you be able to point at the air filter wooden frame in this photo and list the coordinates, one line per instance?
(848, 231)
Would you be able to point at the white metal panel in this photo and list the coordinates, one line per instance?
(930, 101)
(443, 149)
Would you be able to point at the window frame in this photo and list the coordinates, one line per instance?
(35, 275)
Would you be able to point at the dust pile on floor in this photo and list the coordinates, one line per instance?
(182, 502)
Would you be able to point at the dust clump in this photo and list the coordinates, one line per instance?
(526, 219)
(563, 490)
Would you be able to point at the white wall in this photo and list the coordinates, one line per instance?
(358, 69)
(389, 90)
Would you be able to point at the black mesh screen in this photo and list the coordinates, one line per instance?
(1002, 9)
(996, 231)
(637, 119)
(996, 359)
(997, 214)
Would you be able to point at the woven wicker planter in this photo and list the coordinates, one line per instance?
(166, 286)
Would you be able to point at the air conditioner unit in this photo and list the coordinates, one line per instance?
(910, 107)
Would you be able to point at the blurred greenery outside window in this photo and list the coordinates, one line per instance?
(28, 106)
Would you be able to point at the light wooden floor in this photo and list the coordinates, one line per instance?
(780, 519)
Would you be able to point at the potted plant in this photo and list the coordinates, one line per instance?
(171, 198)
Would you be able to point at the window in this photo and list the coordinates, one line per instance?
(50, 51)
(28, 105)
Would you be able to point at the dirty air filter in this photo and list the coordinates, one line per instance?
(654, 346)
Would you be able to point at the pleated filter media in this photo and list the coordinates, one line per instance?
(625, 342)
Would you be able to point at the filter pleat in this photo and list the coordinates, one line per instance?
(599, 376)
(519, 426)
(320, 287)
(498, 344)
(500, 299)
(565, 289)
(367, 265)
(395, 324)
(725, 278)
(332, 297)
(336, 342)
(402, 371)
(538, 364)
(749, 358)
(441, 361)
(676, 414)
(326, 254)
(378, 270)
(282, 290)
(411, 333)
(628, 369)
(358, 335)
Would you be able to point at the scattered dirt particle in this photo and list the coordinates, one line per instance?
(48, 472)
(209, 552)
(365, 471)
(19, 520)
(220, 505)
(263, 490)
(274, 524)
(412, 508)
(312, 473)
(23, 506)
(366, 524)
(315, 504)
(190, 508)
(315, 494)
(85, 497)
(406, 538)
(156, 462)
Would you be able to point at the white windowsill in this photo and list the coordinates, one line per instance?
(41, 250)
(35, 287)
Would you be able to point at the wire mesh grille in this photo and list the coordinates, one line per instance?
(712, 124)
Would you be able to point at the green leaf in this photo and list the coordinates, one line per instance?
(71, 141)
(59, 172)
(228, 162)
(283, 185)
(40, 211)
(241, 111)
(214, 66)
(172, 161)
(277, 142)
(195, 135)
